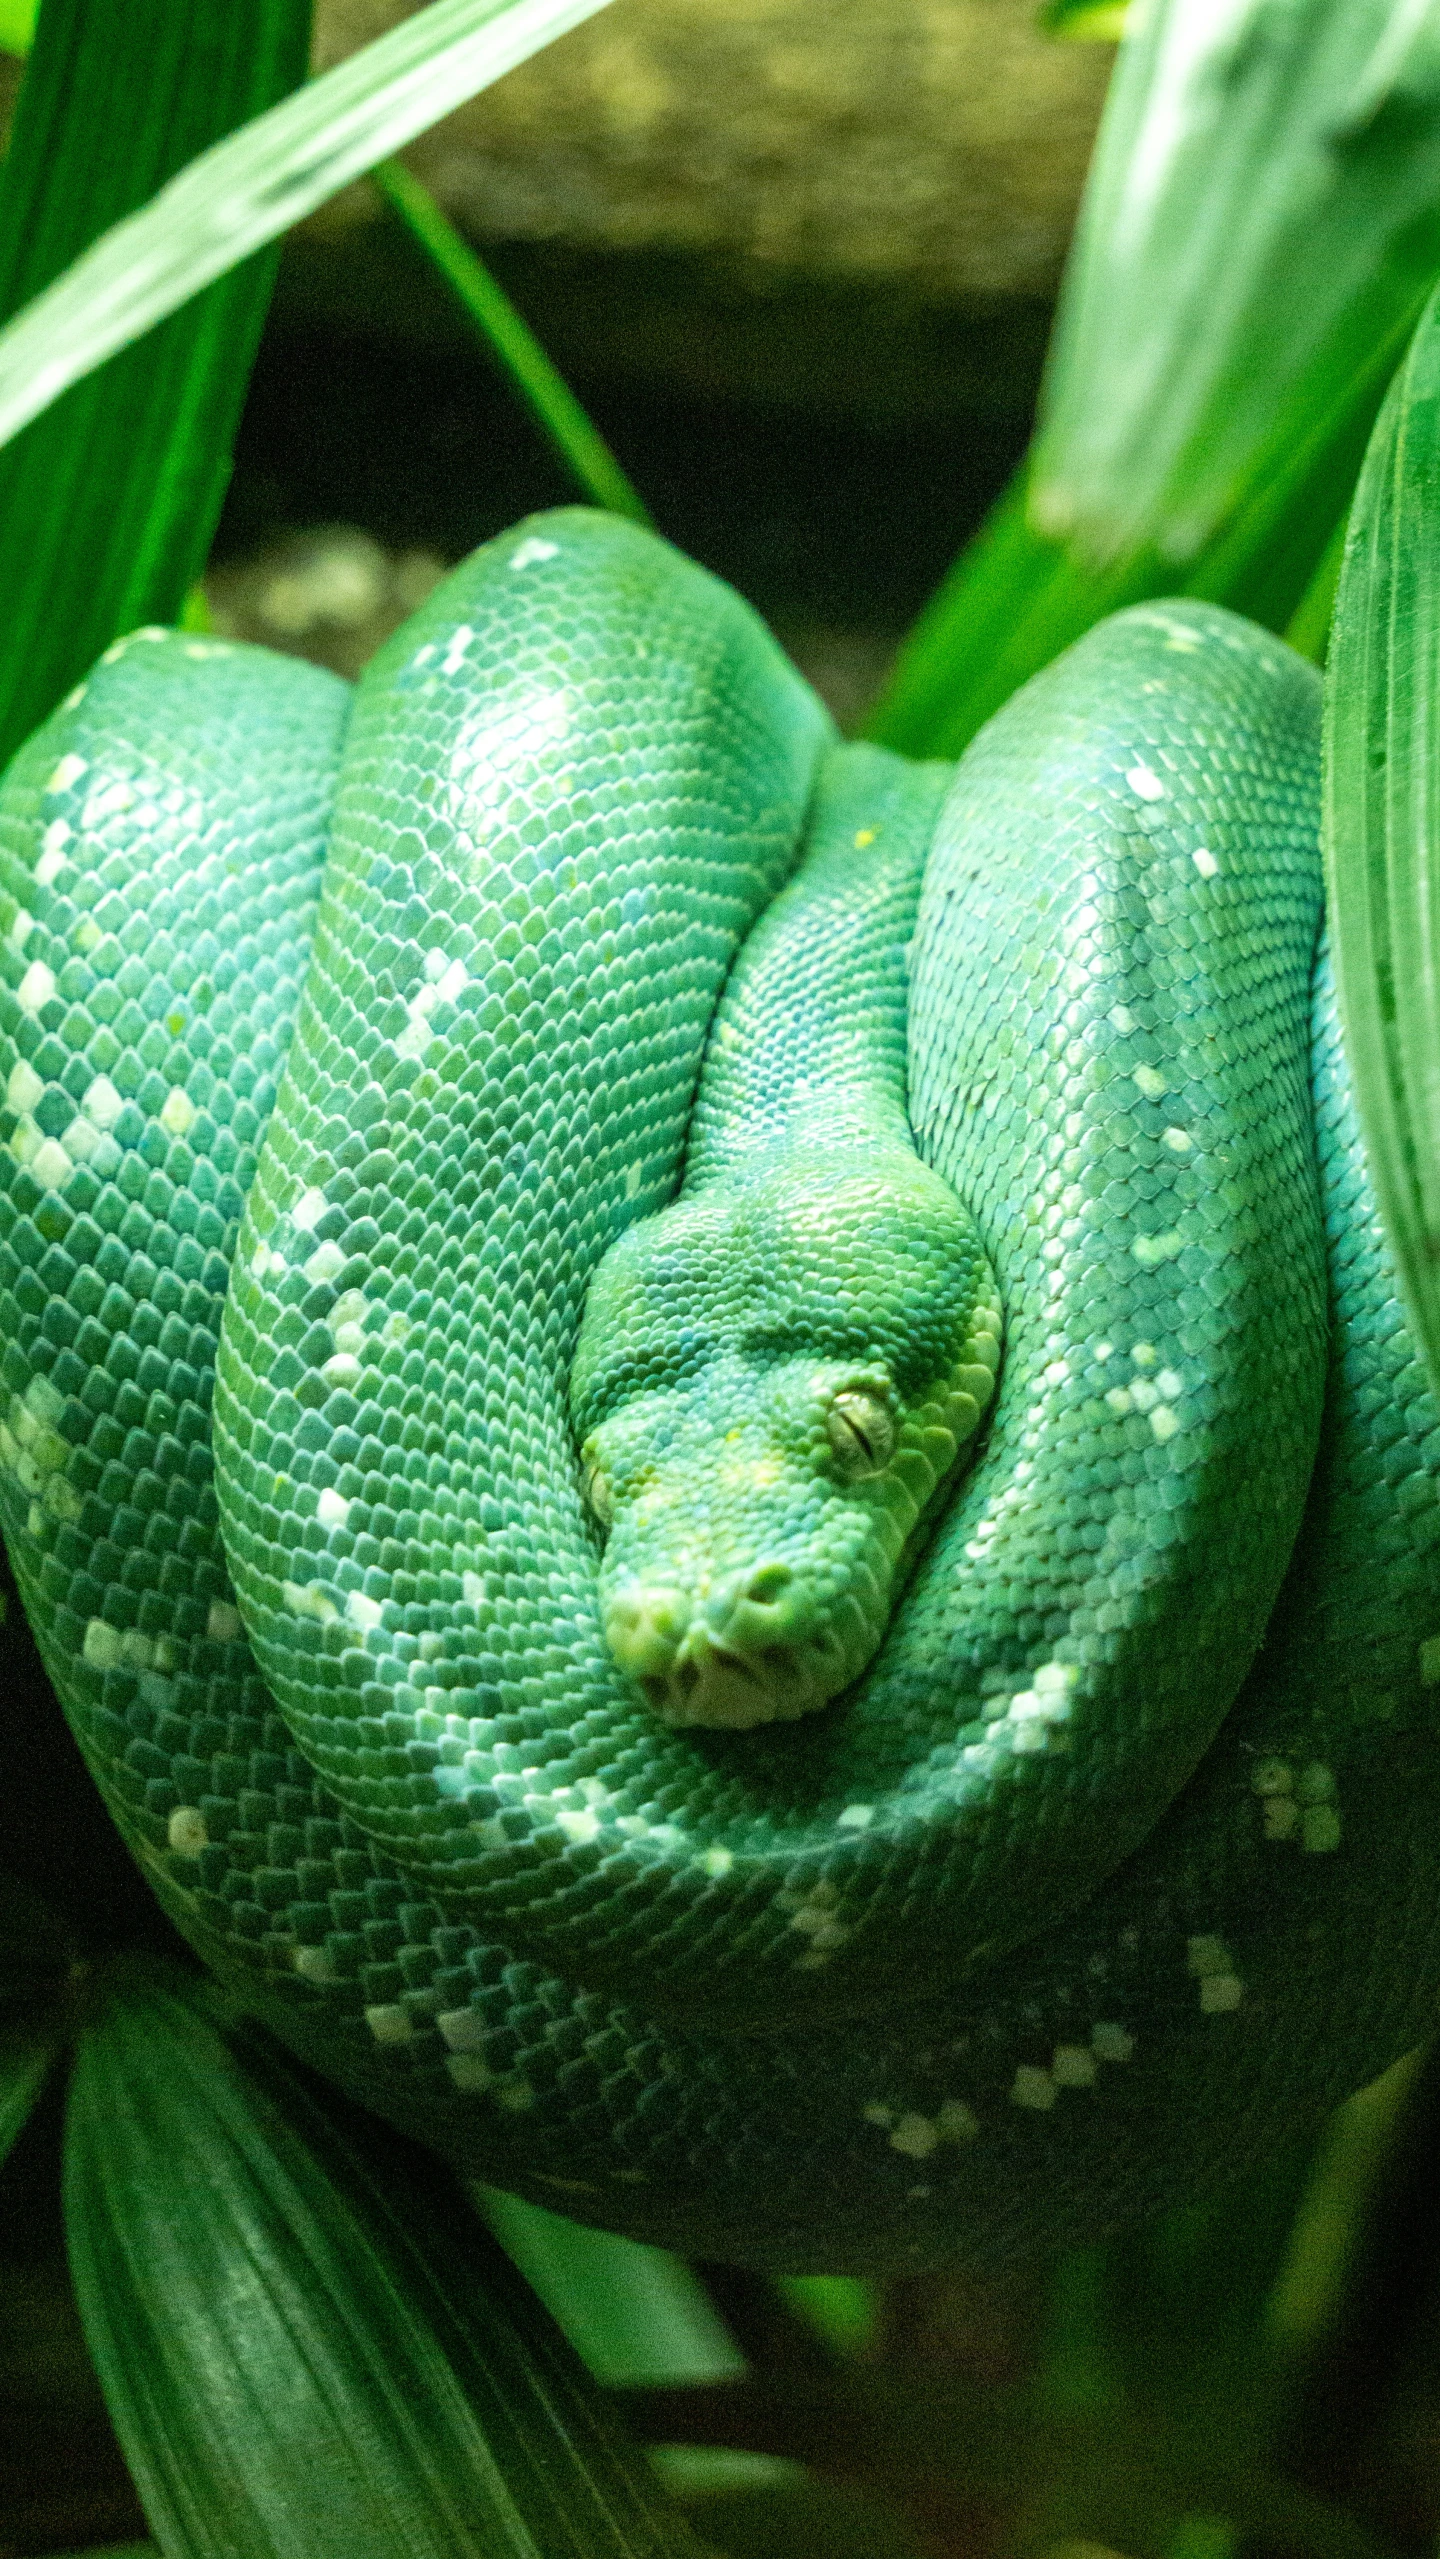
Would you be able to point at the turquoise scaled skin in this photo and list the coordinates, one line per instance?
(775, 1378)
(712, 1759)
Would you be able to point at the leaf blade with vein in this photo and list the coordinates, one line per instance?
(377, 2383)
(1382, 820)
(1260, 228)
(245, 191)
(108, 501)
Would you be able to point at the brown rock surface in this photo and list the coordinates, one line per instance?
(934, 144)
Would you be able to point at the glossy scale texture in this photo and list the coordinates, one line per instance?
(1075, 1899)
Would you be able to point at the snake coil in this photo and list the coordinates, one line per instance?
(623, 1690)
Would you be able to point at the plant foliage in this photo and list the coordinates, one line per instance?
(108, 502)
(1260, 228)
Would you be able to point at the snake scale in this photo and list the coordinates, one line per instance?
(834, 1698)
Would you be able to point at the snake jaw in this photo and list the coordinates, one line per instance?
(745, 1658)
(751, 1564)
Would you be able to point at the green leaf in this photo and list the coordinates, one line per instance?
(1085, 21)
(633, 2314)
(513, 342)
(25, 2064)
(247, 190)
(1175, 2314)
(1382, 822)
(308, 2346)
(1013, 600)
(843, 2309)
(1260, 228)
(17, 25)
(1334, 2213)
(1263, 208)
(107, 504)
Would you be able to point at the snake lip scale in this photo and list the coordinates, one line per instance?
(710, 1434)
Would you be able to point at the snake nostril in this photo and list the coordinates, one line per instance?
(768, 1581)
(687, 1678)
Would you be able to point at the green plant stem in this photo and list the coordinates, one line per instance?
(513, 343)
(108, 501)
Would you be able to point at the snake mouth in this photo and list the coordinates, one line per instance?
(691, 1672)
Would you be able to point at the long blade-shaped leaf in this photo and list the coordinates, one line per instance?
(1264, 203)
(540, 384)
(309, 2347)
(634, 2314)
(25, 2063)
(1259, 231)
(1382, 819)
(108, 502)
(247, 190)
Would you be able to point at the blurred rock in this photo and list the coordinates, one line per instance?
(830, 205)
(936, 143)
(331, 595)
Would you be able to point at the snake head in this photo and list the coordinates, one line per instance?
(774, 1383)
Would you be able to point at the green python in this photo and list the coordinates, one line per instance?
(832, 1697)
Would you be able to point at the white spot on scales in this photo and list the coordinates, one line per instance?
(1211, 1966)
(102, 1103)
(178, 1113)
(1298, 1807)
(444, 981)
(1151, 1250)
(186, 1831)
(37, 986)
(53, 856)
(24, 1088)
(111, 1648)
(308, 1210)
(325, 1263)
(311, 1602)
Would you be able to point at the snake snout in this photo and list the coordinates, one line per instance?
(644, 1626)
(756, 1654)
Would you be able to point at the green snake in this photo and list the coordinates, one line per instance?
(809, 1630)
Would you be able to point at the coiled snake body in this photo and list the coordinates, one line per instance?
(710, 1758)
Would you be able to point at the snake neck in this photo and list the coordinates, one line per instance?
(777, 1375)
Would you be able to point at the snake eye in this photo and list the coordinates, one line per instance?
(599, 1496)
(861, 1431)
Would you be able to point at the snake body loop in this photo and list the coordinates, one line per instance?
(711, 1757)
